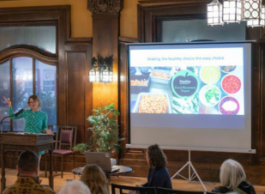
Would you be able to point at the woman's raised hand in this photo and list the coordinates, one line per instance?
(8, 101)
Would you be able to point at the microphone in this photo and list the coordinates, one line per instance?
(19, 112)
(16, 114)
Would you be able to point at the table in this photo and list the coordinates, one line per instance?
(123, 170)
(22, 142)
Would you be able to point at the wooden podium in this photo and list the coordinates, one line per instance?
(22, 142)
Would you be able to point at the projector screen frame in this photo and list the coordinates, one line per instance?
(198, 149)
(248, 151)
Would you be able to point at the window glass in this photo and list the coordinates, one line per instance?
(46, 90)
(189, 30)
(43, 37)
(22, 87)
(4, 91)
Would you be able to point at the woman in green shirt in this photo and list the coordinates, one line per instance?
(35, 120)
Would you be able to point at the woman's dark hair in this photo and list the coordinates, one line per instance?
(157, 158)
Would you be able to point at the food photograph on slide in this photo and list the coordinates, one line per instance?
(187, 90)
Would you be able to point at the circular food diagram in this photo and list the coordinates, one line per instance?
(185, 84)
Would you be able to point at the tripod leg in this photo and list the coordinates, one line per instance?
(180, 170)
(198, 177)
(192, 176)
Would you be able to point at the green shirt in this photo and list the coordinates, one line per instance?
(35, 121)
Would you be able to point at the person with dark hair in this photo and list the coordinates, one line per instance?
(158, 175)
(27, 181)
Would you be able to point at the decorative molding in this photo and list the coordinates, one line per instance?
(78, 40)
(128, 40)
(30, 47)
(27, 52)
(105, 6)
(160, 2)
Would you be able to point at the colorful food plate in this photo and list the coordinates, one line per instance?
(231, 84)
(152, 103)
(227, 69)
(229, 106)
(210, 95)
(210, 74)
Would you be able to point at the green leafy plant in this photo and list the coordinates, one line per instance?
(105, 131)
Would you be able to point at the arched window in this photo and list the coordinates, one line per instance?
(28, 66)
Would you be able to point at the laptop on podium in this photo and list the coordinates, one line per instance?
(102, 159)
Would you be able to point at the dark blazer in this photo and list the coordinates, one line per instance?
(244, 186)
(158, 177)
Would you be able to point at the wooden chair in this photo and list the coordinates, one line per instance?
(65, 141)
(171, 191)
(125, 189)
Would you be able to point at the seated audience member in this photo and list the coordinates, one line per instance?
(27, 181)
(158, 175)
(233, 179)
(94, 177)
(74, 187)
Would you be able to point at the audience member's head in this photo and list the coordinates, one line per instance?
(28, 164)
(94, 177)
(155, 157)
(231, 174)
(74, 187)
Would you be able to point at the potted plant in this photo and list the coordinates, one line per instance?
(105, 132)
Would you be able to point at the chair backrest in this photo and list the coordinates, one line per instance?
(171, 191)
(141, 190)
(66, 136)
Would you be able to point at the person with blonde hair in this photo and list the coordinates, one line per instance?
(94, 177)
(233, 179)
(35, 119)
(74, 187)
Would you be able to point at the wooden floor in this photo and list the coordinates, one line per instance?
(122, 180)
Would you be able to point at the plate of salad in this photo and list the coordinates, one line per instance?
(209, 95)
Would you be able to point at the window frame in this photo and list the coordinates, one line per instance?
(39, 15)
(31, 51)
(10, 59)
